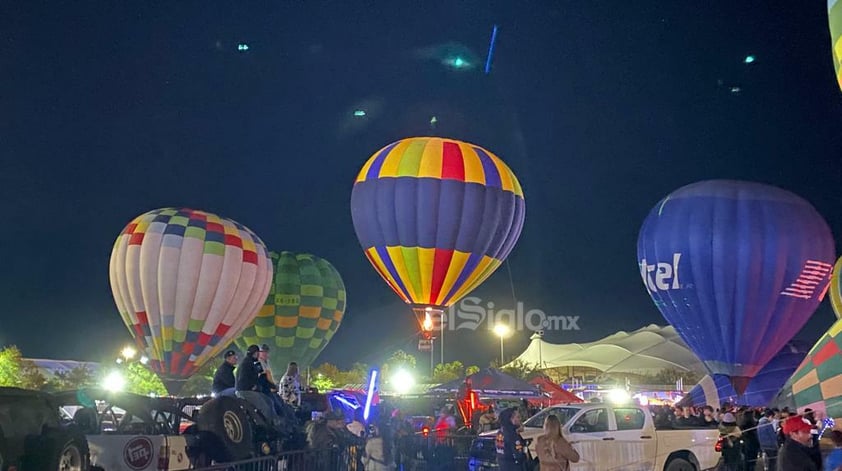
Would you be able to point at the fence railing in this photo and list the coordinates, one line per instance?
(433, 451)
(412, 453)
(338, 459)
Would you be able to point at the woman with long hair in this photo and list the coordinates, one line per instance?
(554, 451)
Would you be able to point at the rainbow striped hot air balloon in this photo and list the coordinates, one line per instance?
(186, 283)
(436, 217)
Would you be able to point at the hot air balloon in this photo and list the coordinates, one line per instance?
(186, 283)
(817, 384)
(834, 16)
(436, 217)
(305, 307)
(737, 268)
(761, 390)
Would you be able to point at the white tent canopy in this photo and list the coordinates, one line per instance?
(645, 351)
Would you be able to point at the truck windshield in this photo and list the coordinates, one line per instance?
(563, 413)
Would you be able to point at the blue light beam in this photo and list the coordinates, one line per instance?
(490, 50)
(370, 395)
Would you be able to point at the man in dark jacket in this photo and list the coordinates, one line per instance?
(795, 454)
(223, 379)
(247, 387)
(247, 371)
(511, 454)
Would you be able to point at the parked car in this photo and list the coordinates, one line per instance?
(616, 437)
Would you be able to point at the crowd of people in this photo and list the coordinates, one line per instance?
(785, 440)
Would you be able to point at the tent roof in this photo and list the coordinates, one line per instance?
(490, 382)
(643, 351)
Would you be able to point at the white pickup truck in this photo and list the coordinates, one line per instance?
(614, 437)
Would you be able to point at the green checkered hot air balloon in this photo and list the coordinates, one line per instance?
(305, 307)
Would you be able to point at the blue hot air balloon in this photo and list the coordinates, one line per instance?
(761, 390)
(737, 268)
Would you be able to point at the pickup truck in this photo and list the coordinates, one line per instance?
(613, 437)
(32, 437)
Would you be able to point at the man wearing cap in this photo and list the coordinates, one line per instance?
(265, 379)
(247, 387)
(223, 380)
(795, 454)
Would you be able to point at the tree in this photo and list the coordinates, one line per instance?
(200, 383)
(76, 378)
(325, 377)
(32, 377)
(445, 372)
(519, 369)
(11, 364)
(322, 382)
(471, 370)
(141, 380)
(400, 360)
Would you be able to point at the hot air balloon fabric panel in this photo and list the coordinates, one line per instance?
(834, 16)
(304, 308)
(187, 282)
(818, 382)
(737, 268)
(436, 217)
(761, 390)
(836, 289)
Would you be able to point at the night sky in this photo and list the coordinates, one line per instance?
(111, 109)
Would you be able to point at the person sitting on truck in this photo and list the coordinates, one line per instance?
(795, 454)
(264, 378)
(290, 386)
(247, 388)
(555, 453)
(510, 445)
(223, 380)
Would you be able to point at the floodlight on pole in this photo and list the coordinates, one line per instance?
(128, 352)
(501, 330)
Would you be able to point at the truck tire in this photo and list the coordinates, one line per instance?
(680, 464)
(65, 452)
(225, 430)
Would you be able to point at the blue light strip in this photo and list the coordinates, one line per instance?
(370, 395)
(490, 50)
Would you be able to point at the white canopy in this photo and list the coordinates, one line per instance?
(645, 351)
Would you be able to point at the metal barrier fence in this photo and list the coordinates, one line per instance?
(434, 452)
(411, 453)
(332, 459)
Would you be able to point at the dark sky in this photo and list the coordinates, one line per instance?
(110, 109)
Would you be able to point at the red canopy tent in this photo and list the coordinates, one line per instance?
(552, 393)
